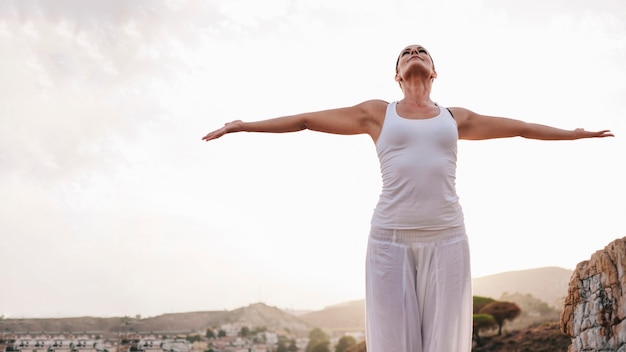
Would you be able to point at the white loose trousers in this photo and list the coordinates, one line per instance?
(418, 291)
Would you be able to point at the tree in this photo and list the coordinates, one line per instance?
(193, 338)
(210, 333)
(221, 333)
(482, 322)
(321, 347)
(244, 332)
(359, 347)
(292, 346)
(258, 330)
(344, 343)
(126, 320)
(318, 341)
(479, 302)
(501, 311)
(281, 347)
(286, 345)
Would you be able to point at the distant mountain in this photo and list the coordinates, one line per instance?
(346, 317)
(254, 315)
(548, 284)
(261, 315)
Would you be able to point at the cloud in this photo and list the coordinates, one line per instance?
(78, 78)
(82, 80)
(539, 12)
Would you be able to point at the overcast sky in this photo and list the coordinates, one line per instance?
(110, 203)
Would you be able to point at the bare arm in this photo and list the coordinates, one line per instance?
(474, 126)
(365, 117)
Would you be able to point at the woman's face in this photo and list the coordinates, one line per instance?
(415, 53)
(412, 52)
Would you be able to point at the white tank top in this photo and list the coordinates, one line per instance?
(418, 168)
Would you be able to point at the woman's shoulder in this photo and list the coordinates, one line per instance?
(375, 105)
(378, 102)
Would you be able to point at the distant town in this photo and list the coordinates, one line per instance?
(225, 338)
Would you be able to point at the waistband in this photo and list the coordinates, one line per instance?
(411, 237)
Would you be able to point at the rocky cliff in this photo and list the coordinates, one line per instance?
(594, 312)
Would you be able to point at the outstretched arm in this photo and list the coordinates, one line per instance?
(474, 126)
(365, 117)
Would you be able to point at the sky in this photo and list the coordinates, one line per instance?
(112, 205)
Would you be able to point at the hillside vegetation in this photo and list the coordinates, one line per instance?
(546, 337)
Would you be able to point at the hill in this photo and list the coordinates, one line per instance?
(345, 317)
(547, 284)
(254, 315)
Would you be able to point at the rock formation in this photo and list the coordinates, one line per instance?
(594, 312)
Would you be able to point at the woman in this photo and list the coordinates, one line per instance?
(418, 282)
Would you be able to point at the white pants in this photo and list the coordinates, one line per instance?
(418, 291)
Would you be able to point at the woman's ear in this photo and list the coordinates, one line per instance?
(433, 75)
(398, 79)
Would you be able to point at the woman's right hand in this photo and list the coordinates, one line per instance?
(234, 126)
